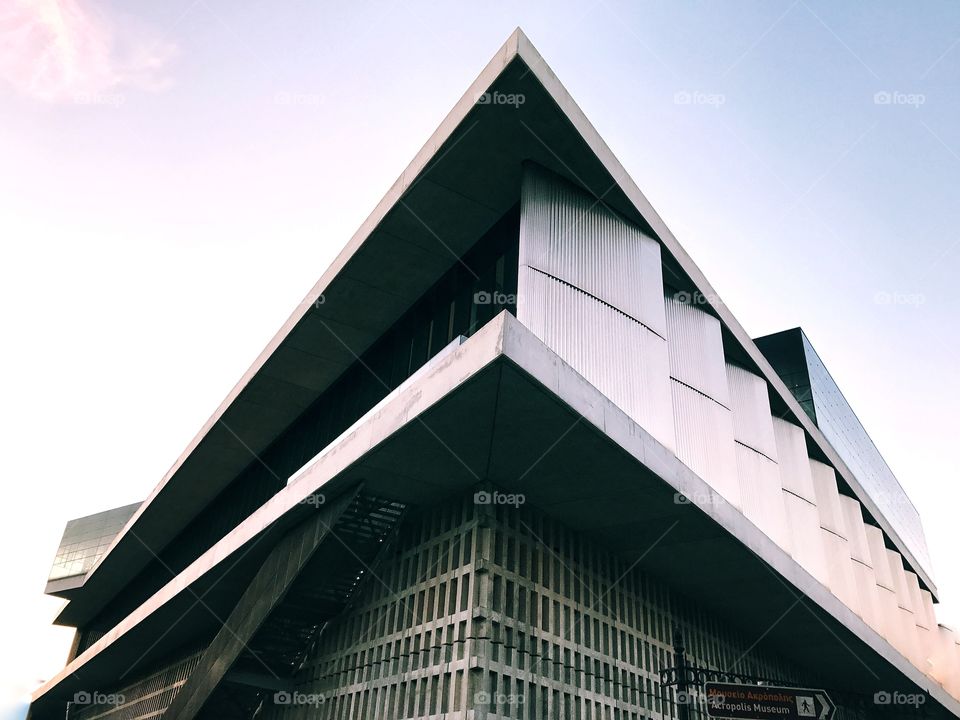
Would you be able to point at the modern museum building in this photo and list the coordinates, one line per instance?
(512, 457)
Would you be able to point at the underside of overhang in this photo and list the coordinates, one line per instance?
(424, 224)
(505, 409)
(461, 182)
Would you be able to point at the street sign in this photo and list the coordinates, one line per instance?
(732, 701)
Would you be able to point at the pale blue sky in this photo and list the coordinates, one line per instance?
(174, 177)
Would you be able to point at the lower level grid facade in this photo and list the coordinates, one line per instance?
(497, 611)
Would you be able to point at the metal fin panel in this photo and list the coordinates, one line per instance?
(838, 565)
(856, 530)
(567, 233)
(916, 600)
(865, 584)
(945, 661)
(762, 495)
(908, 636)
(792, 458)
(696, 350)
(623, 359)
(878, 557)
(806, 544)
(752, 421)
(704, 431)
(828, 498)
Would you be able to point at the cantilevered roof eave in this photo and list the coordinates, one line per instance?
(620, 175)
(517, 46)
(507, 54)
(549, 380)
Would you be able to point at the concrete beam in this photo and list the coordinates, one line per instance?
(268, 588)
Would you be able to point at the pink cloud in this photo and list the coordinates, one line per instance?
(61, 51)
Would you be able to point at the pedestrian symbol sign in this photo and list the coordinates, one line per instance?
(733, 701)
(805, 706)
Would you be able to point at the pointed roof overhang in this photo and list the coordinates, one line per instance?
(493, 408)
(462, 180)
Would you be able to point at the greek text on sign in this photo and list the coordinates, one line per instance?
(733, 701)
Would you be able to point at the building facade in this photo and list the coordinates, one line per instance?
(513, 458)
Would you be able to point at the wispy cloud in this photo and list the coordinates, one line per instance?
(66, 51)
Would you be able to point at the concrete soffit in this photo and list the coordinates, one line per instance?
(490, 408)
(468, 131)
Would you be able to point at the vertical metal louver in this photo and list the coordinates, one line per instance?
(861, 564)
(591, 288)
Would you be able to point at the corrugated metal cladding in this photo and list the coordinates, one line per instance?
(926, 598)
(828, 498)
(806, 546)
(696, 350)
(761, 495)
(888, 616)
(953, 664)
(946, 660)
(925, 637)
(839, 569)
(861, 564)
(887, 611)
(623, 359)
(752, 421)
(792, 457)
(570, 235)
(899, 580)
(856, 530)
(878, 557)
(908, 634)
(916, 600)
(704, 431)
(701, 399)
(591, 288)
(799, 499)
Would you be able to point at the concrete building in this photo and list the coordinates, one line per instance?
(513, 457)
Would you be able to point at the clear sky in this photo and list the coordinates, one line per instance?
(175, 176)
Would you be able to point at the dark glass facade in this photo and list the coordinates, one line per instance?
(86, 539)
(803, 372)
